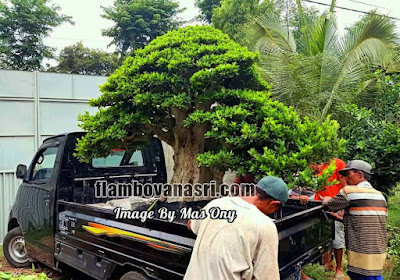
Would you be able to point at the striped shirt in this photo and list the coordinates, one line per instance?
(365, 227)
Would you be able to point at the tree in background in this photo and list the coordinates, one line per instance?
(372, 130)
(206, 8)
(196, 85)
(23, 26)
(137, 22)
(232, 14)
(318, 70)
(77, 59)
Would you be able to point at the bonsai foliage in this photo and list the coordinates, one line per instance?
(264, 137)
(155, 91)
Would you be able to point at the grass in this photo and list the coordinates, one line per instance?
(394, 217)
(1, 252)
(394, 207)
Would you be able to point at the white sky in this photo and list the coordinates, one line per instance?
(89, 23)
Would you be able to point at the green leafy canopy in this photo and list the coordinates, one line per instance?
(156, 89)
(195, 85)
(77, 59)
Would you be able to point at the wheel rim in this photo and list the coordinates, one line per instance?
(17, 250)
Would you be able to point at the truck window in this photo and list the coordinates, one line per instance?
(120, 158)
(44, 164)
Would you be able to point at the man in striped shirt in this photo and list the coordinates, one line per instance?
(364, 221)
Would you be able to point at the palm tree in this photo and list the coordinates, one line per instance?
(319, 69)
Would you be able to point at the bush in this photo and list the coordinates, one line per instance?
(375, 141)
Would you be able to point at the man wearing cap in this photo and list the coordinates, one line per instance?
(245, 249)
(364, 221)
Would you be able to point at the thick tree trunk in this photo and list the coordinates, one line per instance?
(186, 169)
(187, 144)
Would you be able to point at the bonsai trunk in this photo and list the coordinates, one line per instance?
(186, 169)
(187, 144)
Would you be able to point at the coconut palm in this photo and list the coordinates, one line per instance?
(320, 69)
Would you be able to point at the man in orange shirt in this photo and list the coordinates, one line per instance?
(338, 243)
(332, 190)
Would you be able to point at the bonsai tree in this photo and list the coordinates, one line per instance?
(154, 91)
(199, 91)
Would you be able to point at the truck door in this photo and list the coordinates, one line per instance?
(36, 203)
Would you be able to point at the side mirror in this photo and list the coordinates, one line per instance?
(21, 171)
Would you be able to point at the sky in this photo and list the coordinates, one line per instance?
(88, 21)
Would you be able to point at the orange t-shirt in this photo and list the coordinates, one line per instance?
(334, 189)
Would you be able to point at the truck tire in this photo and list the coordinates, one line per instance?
(14, 249)
(134, 275)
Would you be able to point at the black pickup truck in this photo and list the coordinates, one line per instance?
(57, 220)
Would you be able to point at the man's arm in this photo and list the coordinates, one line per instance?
(266, 259)
(337, 203)
(194, 225)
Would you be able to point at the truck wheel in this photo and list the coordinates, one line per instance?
(134, 275)
(14, 249)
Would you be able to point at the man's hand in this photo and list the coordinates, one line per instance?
(304, 199)
(325, 200)
(188, 225)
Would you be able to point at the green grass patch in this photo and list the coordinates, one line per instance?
(1, 252)
(10, 276)
(394, 207)
(315, 271)
(394, 217)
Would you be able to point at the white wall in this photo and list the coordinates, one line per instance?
(33, 106)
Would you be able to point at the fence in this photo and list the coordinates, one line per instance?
(8, 189)
(34, 106)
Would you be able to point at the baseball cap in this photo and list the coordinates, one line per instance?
(357, 165)
(274, 187)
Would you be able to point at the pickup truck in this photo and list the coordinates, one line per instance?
(57, 219)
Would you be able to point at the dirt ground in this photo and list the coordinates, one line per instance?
(36, 269)
(54, 275)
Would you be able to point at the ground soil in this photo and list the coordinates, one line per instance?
(54, 275)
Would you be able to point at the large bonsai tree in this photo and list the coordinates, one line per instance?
(154, 91)
(200, 92)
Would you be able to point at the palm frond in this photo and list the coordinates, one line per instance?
(267, 34)
(368, 44)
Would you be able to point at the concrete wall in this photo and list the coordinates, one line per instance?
(33, 106)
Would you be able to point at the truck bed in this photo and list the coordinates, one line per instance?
(162, 249)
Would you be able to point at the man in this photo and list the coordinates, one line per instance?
(332, 190)
(338, 243)
(245, 249)
(364, 221)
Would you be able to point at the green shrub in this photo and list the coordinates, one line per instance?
(9, 276)
(315, 271)
(393, 241)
